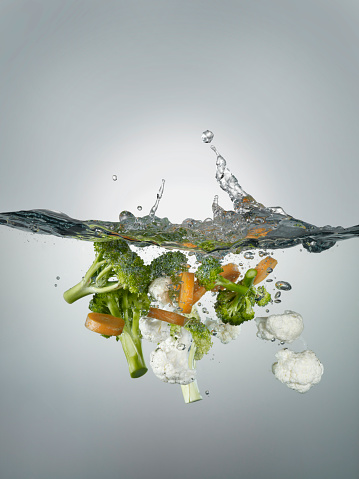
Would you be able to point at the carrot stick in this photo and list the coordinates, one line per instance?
(167, 316)
(264, 268)
(104, 324)
(230, 272)
(185, 300)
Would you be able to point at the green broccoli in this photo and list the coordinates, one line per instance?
(97, 278)
(235, 307)
(130, 307)
(201, 337)
(262, 296)
(201, 344)
(208, 275)
(170, 264)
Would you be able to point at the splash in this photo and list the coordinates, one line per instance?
(250, 225)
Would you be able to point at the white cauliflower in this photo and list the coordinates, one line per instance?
(154, 330)
(298, 371)
(169, 362)
(224, 332)
(159, 290)
(285, 327)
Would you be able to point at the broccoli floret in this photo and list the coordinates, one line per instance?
(201, 337)
(97, 278)
(130, 307)
(208, 275)
(235, 307)
(114, 259)
(262, 296)
(169, 264)
(132, 273)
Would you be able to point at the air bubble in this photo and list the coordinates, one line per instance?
(206, 393)
(269, 270)
(114, 177)
(283, 286)
(207, 136)
(55, 285)
(139, 207)
(269, 280)
(277, 295)
(277, 301)
(273, 339)
(205, 310)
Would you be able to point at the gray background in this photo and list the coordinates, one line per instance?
(89, 89)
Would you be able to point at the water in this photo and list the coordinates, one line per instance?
(250, 225)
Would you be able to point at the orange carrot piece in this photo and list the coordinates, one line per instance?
(264, 268)
(168, 316)
(185, 300)
(104, 324)
(198, 292)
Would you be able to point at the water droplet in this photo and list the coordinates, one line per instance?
(267, 310)
(269, 280)
(114, 177)
(181, 346)
(139, 207)
(273, 339)
(248, 255)
(277, 295)
(240, 264)
(199, 304)
(261, 253)
(55, 285)
(205, 310)
(207, 136)
(269, 270)
(277, 301)
(283, 286)
(281, 343)
(57, 277)
(206, 393)
(125, 215)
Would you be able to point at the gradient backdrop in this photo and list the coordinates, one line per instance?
(89, 89)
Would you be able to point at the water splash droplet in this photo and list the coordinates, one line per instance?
(207, 136)
(273, 339)
(55, 285)
(277, 301)
(159, 196)
(267, 310)
(139, 207)
(57, 277)
(206, 393)
(277, 295)
(283, 285)
(269, 280)
(125, 215)
(114, 177)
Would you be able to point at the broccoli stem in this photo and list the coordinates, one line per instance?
(131, 342)
(249, 278)
(191, 391)
(230, 286)
(133, 352)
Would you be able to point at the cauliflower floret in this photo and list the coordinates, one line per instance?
(285, 327)
(298, 371)
(169, 361)
(224, 332)
(154, 330)
(159, 289)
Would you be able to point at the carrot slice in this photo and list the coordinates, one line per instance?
(167, 316)
(185, 300)
(104, 324)
(264, 268)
